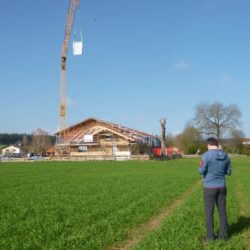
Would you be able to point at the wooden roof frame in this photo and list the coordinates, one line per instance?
(112, 127)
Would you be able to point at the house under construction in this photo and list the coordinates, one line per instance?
(94, 138)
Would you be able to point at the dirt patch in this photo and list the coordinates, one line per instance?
(140, 232)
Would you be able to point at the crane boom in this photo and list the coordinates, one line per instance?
(70, 18)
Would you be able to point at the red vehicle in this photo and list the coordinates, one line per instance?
(170, 152)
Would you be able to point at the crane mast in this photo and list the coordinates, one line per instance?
(74, 4)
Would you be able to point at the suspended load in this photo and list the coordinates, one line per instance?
(78, 46)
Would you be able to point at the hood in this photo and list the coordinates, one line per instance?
(221, 155)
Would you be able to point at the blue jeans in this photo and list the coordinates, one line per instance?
(216, 196)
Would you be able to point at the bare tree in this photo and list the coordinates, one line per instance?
(26, 141)
(40, 141)
(189, 141)
(234, 144)
(170, 140)
(216, 119)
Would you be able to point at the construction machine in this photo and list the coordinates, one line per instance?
(73, 6)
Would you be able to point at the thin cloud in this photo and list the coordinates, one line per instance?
(182, 65)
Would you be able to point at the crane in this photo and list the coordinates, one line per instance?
(73, 6)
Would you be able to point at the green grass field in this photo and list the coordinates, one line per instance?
(98, 205)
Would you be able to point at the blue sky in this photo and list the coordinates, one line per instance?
(143, 60)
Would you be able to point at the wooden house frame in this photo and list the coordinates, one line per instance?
(97, 138)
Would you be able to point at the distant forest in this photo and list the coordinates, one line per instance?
(15, 139)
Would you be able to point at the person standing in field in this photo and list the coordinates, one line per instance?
(215, 164)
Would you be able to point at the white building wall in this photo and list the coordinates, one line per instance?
(11, 150)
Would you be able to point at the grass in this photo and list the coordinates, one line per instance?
(89, 205)
(95, 205)
(185, 228)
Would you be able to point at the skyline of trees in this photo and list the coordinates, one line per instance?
(37, 142)
(215, 119)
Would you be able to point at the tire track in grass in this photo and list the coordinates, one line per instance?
(244, 207)
(139, 233)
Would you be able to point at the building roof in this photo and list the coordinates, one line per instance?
(10, 146)
(11, 149)
(76, 132)
(51, 150)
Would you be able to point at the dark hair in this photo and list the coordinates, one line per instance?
(212, 141)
